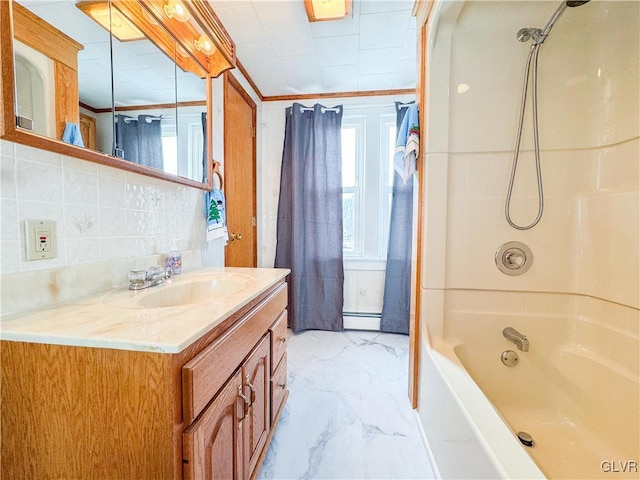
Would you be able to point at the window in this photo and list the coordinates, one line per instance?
(368, 141)
(352, 182)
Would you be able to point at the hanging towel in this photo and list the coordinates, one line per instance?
(216, 215)
(72, 134)
(407, 144)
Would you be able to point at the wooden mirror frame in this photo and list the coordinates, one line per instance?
(10, 132)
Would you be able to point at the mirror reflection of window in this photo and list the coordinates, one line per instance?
(192, 125)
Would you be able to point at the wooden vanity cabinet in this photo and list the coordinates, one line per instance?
(227, 439)
(206, 412)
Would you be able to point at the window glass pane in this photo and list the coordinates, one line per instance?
(349, 171)
(349, 222)
(170, 154)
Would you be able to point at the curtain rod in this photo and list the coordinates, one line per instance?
(128, 119)
(323, 109)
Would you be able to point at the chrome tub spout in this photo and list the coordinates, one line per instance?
(516, 337)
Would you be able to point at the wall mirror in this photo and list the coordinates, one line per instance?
(137, 100)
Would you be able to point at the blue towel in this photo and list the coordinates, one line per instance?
(215, 209)
(72, 134)
(407, 144)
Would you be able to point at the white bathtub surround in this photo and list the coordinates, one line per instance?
(577, 389)
(348, 414)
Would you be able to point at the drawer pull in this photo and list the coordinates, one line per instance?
(252, 388)
(282, 385)
(282, 339)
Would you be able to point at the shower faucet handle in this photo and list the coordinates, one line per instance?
(514, 258)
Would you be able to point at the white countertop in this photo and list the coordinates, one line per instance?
(116, 319)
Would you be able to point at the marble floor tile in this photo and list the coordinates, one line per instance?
(348, 415)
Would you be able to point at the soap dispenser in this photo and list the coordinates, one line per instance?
(174, 259)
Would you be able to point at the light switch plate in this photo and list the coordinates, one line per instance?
(40, 236)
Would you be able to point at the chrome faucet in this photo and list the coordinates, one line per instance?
(141, 279)
(516, 337)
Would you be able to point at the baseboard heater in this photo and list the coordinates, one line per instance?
(361, 320)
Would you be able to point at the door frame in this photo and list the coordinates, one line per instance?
(231, 82)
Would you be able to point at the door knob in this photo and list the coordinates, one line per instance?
(239, 237)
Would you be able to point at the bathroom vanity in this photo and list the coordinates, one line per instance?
(148, 385)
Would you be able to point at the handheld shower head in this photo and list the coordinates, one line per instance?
(576, 3)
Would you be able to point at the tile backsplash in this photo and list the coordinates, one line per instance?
(108, 221)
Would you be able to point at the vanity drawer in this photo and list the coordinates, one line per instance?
(208, 371)
(279, 341)
(278, 388)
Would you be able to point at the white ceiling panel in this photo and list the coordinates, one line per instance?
(279, 11)
(405, 75)
(302, 70)
(382, 81)
(337, 50)
(379, 60)
(291, 38)
(381, 6)
(342, 78)
(380, 30)
(339, 28)
(243, 19)
(259, 56)
(409, 49)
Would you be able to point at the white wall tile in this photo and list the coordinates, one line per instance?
(81, 221)
(101, 214)
(39, 181)
(7, 177)
(80, 187)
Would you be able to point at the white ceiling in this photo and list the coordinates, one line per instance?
(374, 49)
(282, 52)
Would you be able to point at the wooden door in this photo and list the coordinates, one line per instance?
(256, 373)
(240, 174)
(88, 131)
(212, 446)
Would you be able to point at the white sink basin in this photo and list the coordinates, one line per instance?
(178, 292)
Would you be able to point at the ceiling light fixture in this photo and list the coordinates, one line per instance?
(121, 28)
(176, 10)
(322, 10)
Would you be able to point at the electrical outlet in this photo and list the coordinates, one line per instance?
(40, 238)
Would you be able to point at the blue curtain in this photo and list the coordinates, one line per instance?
(139, 140)
(310, 217)
(397, 286)
(127, 138)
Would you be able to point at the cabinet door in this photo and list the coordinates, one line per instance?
(256, 373)
(213, 444)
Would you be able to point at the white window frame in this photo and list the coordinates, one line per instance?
(387, 146)
(372, 212)
(357, 122)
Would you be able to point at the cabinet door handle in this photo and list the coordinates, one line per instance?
(282, 339)
(244, 407)
(252, 388)
(245, 400)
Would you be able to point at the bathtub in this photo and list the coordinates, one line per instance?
(576, 392)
